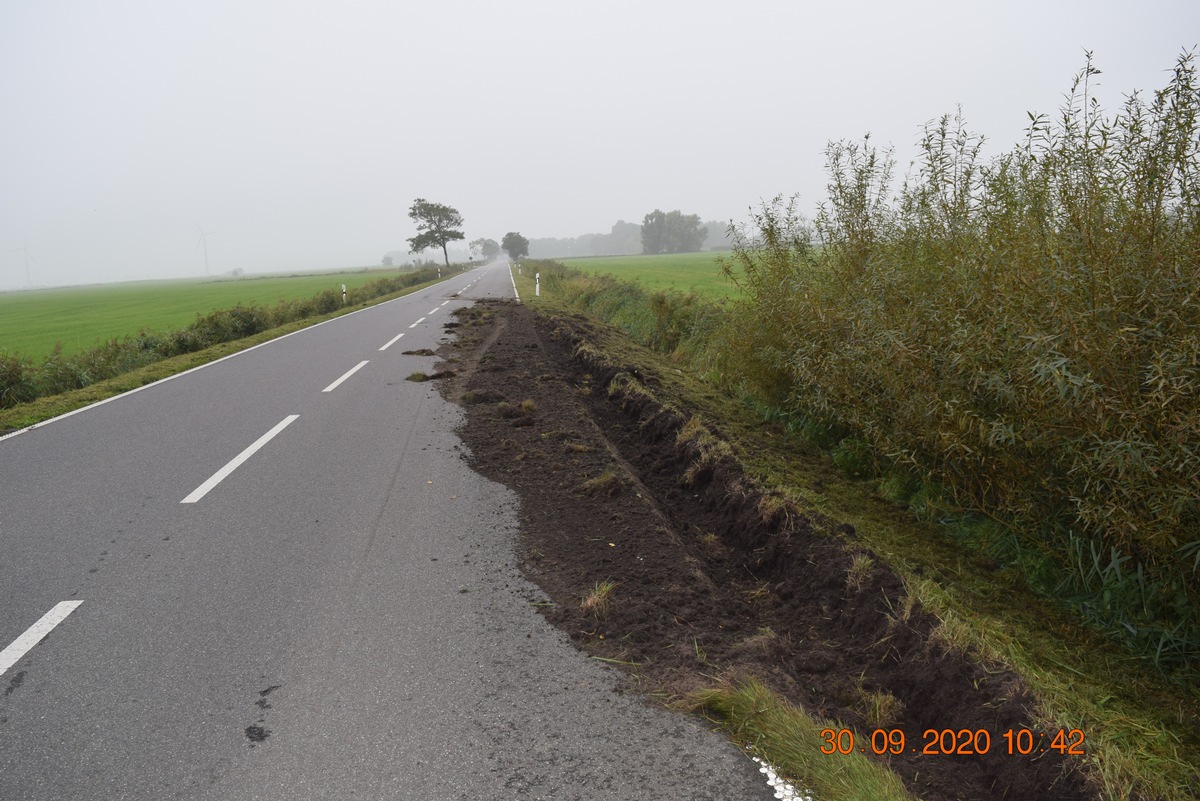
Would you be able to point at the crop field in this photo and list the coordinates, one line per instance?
(82, 317)
(683, 272)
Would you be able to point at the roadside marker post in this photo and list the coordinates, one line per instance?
(343, 294)
(537, 284)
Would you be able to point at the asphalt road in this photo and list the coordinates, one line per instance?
(338, 615)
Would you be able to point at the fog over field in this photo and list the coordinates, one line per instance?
(298, 133)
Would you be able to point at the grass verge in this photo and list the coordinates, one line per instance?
(43, 409)
(791, 740)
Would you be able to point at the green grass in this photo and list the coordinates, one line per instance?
(682, 272)
(792, 741)
(45, 408)
(82, 317)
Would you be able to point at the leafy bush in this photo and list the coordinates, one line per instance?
(1022, 333)
(1013, 345)
(17, 384)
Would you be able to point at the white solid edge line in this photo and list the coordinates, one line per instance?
(514, 282)
(236, 461)
(34, 634)
(349, 373)
(161, 381)
(392, 341)
(418, 322)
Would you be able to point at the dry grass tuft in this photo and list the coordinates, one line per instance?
(607, 483)
(861, 568)
(598, 602)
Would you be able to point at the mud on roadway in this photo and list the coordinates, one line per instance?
(714, 580)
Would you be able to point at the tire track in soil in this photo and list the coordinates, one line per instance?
(710, 579)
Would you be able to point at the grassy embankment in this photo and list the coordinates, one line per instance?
(1008, 349)
(35, 390)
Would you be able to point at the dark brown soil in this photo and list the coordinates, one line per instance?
(714, 578)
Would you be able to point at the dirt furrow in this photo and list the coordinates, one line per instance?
(713, 579)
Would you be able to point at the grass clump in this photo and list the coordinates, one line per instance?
(607, 483)
(761, 641)
(472, 396)
(512, 411)
(598, 602)
(861, 568)
(704, 448)
(879, 709)
(710, 542)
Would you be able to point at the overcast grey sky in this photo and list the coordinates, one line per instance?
(300, 132)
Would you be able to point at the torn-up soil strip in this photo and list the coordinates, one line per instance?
(712, 578)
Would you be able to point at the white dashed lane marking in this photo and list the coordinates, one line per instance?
(392, 341)
(346, 375)
(34, 634)
(236, 462)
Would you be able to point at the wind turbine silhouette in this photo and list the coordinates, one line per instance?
(204, 235)
(24, 249)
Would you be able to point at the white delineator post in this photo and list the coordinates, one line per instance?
(537, 284)
(343, 294)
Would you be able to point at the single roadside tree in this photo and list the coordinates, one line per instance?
(488, 248)
(654, 232)
(515, 245)
(436, 225)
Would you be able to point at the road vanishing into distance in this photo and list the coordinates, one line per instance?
(275, 577)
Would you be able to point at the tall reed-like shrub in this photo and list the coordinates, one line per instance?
(1023, 332)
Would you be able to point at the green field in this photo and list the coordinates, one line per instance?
(683, 272)
(82, 317)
